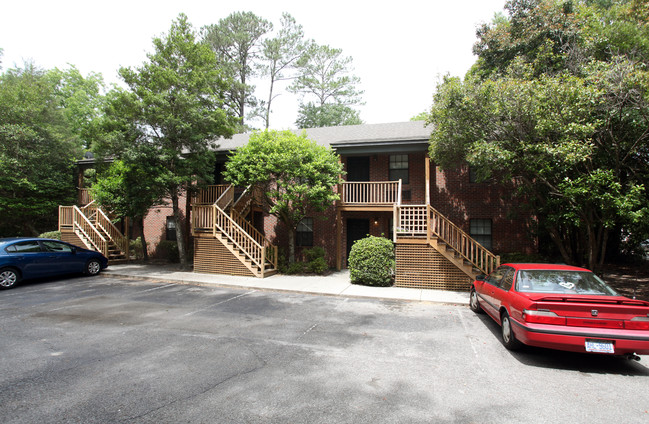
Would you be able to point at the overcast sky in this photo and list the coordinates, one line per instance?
(400, 48)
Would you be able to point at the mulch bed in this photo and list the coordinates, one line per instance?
(625, 278)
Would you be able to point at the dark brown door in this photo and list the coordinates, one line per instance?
(356, 230)
(358, 168)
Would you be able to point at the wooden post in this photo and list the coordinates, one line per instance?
(395, 220)
(339, 234)
(427, 180)
(263, 261)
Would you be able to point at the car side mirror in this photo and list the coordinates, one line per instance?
(74, 250)
(480, 277)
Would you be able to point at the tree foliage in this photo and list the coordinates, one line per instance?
(280, 56)
(558, 102)
(325, 75)
(37, 151)
(328, 115)
(296, 175)
(131, 186)
(237, 42)
(171, 114)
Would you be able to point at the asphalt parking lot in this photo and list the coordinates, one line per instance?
(106, 350)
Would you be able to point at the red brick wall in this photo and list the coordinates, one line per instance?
(458, 199)
(155, 223)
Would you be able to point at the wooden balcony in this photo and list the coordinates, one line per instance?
(369, 195)
(209, 195)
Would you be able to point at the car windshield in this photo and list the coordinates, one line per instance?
(561, 282)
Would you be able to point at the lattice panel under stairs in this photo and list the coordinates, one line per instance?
(421, 266)
(211, 256)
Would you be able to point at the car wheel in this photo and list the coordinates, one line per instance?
(8, 278)
(509, 339)
(474, 305)
(93, 267)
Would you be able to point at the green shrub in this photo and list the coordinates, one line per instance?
(168, 250)
(51, 235)
(135, 248)
(295, 268)
(318, 266)
(371, 261)
(314, 253)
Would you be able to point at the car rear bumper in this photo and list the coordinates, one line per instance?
(574, 338)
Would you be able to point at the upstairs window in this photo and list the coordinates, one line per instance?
(399, 168)
(480, 231)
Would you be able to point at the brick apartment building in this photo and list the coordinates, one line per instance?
(445, 224)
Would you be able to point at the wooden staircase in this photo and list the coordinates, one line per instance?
(224, 221)
(424, 224)
(91, 227)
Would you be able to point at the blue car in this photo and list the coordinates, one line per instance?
(25, 258)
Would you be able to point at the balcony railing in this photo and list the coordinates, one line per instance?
(209, 194)
(368, 193)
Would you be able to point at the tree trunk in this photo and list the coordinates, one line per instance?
(145, 248)
(180, 232)
(291, 245)
(270, 99)
(556, 238)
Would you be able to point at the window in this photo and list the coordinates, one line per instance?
(55, 246)
(304, 235)
(171, 228)
(399, 168)
(25, 247)
(480, 231)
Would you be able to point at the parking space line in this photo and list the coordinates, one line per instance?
(220, 303)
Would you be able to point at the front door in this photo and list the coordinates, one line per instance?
(358, 168)
(356, 230)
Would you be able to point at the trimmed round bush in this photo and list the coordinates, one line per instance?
(51, 235)
(371, 261)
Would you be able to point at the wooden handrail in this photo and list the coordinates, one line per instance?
(370, 192)
(81, 223)
(239, 237)
(114, 234)
(209, 194)
(461, 242)
(226, 198)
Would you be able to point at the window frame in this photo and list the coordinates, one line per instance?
(480, 237)
(304, 237)
(397, 170)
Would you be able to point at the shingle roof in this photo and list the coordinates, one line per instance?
(352, 135)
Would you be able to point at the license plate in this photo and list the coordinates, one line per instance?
(600, 346)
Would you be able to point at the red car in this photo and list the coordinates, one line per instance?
(561, 307)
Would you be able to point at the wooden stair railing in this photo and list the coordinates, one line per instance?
(240, 237)
(95, 229)
(246, 245)
(458, 240)
(89, 235)
(113, 233)
(465, 252)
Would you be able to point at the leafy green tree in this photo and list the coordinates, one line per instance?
(237, 40)
(296, 175)
(327, 115)
(82, 99)
(174, 107)
(280, 55)
(37, 152)
(131, 186)
(548, 107)
(324, 74)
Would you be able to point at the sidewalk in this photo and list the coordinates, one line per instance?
(336, 284)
